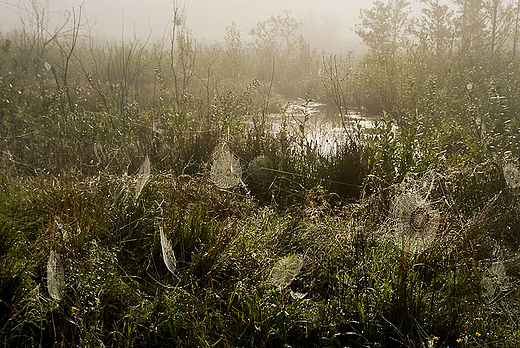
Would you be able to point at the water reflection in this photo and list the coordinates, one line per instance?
(318, 126)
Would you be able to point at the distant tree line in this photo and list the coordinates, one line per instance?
(450, 71)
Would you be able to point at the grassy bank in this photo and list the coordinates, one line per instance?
(353, 285)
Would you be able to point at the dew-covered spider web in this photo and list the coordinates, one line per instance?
(260, 170)
(143, 176)
(415, 221)
(55, 276)
(511, 175)
(167, 252)
(285, 271)
(225, 170)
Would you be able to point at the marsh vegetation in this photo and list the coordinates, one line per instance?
(149, 197)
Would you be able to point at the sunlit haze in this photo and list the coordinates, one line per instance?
(326, 24)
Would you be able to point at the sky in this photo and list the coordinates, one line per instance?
(326, 23)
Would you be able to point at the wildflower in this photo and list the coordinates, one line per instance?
(342, 237)
(435, 338)
(230, 254)
(289, 216)
(73, 310)
(459, 340)
(477, 334)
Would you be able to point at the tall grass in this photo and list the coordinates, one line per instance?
(181, 218)
(355, 285)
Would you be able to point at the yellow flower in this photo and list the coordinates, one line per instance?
(477, 334)
(435, 338)
(342, 237)
(230, 254)
(73, 310)
(459, 340)
(289, 216)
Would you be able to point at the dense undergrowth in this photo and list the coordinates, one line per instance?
(405, 235)
(356, 286)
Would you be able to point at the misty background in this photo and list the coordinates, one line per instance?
(327, 25)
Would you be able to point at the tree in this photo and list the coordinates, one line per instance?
(275, 35)
(470, 25)
(273, 39)
(233, 49)
(499, 14)
(183, 53)
(436, 29)
(516, 30)
(483, 28)
(384, 27)
(336, 74)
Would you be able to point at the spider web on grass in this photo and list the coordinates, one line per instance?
(225, 170)
(511, 175)
(167, 252)
(55, 276)
(285, 271)
(414, 218)
(143, 176)
(260, 170)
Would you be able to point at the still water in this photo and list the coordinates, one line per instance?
(318, 125)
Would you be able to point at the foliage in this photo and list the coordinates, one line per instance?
(183, 216)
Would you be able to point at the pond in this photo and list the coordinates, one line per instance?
(321, 127)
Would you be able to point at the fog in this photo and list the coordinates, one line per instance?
(326, 24)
